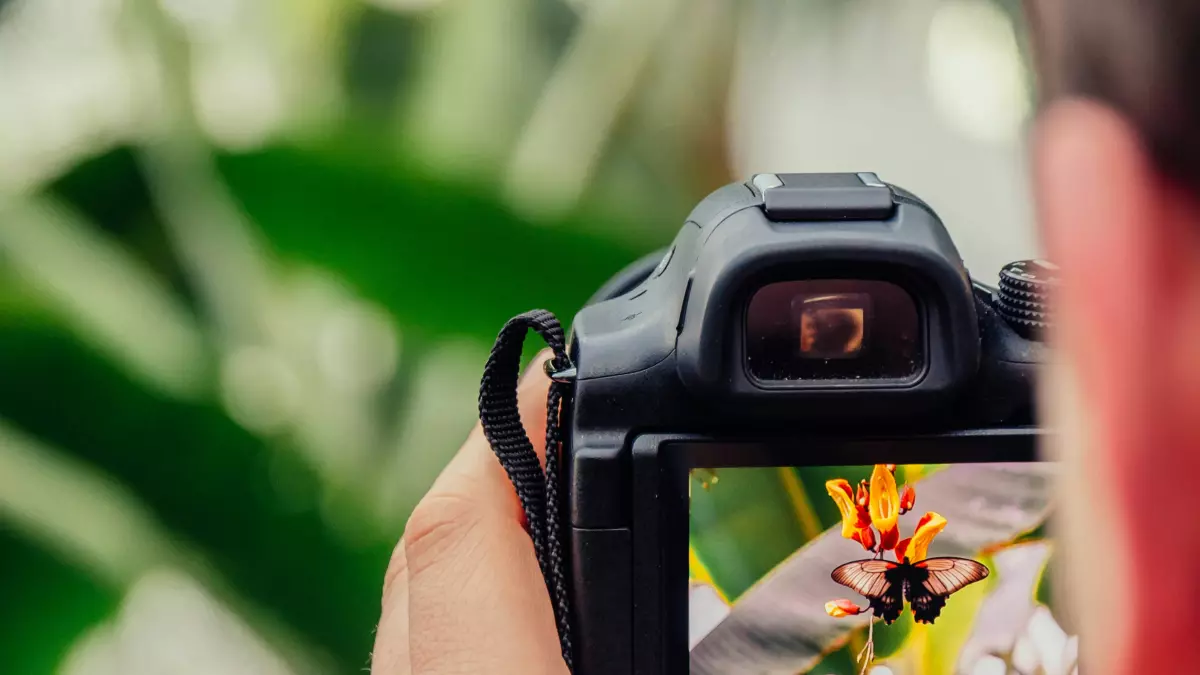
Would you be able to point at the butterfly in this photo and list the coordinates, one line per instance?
(925, 584)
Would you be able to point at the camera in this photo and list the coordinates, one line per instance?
(801, 332)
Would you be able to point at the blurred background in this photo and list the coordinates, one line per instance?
(253, 254)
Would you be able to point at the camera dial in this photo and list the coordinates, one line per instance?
(1023, 296)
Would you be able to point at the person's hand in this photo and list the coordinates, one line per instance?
(463, 592)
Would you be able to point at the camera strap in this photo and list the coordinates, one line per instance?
(537, 489)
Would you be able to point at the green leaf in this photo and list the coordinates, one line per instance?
(838, 662)
(443, 258)
(944, 639)
(1044, 591)
(1036, 534)
(891, 639)
(46, 605)
(212, 483)
(814, 478)
(109, 190)
(743, 526)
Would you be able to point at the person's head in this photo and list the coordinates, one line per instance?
(1117, 179)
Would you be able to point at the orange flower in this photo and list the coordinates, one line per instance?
(863, 498)
(842, 608)
(853, 517)
(908, 499)
(885, 506)
(856, 521)
(891, 467)
(916, 547)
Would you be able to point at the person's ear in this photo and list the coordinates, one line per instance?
(1128, 241)
(1101, 215)
(1126, 384)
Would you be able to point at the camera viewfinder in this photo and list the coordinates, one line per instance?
(833, 329)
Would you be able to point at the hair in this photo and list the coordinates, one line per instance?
(1141, 57)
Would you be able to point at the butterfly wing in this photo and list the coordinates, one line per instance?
(932, 581)
(877, 581)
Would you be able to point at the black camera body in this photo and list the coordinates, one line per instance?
(802, 318)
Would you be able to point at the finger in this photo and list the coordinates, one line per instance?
(476, 467)
(390, 655)
(474, 594)
(477, 600)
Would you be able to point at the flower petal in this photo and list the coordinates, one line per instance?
(842, 608)
(889, 539)
(866, 537)
(927, 528)
(843, 496)
(885, 506)
(902, 547)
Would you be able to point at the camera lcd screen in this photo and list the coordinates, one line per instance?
(917, 569)
(832, 329)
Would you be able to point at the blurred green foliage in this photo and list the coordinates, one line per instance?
(203, 477)
(444, 259)
(384, 229)
(47, 604)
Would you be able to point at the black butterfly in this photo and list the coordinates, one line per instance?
(925, 584)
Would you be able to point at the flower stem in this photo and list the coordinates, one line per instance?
(867, 655)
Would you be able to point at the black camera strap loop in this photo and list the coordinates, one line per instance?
(536, 489)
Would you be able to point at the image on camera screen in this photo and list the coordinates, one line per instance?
(832, 326)
(915, 569)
